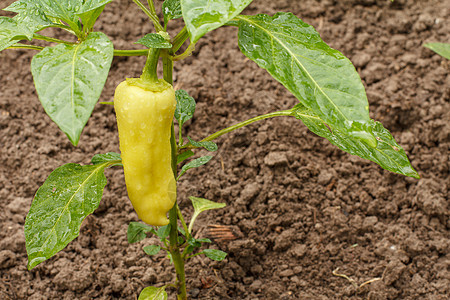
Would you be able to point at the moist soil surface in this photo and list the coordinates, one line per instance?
(308, 220)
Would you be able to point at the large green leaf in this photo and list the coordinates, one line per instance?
(88, 5)
(30, 14)
(38, 12)
(90, 17)
(386, 153)
(69, 80)
(322, 78)
(12, 31)
(202, 16)
(66, 198)
(443, 49)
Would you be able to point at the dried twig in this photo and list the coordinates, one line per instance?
(353, 282)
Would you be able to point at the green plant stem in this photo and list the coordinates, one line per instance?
(149, 73)
(23, 46)
(219, 133)
(186, 53)
(152, 7)
(153, 17)
(177, 259)
(191, 223)
(179, 39)
(131, 52)
(183, 223)
(189, 257)
(50, 39)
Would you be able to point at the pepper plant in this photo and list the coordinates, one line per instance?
(70, 76)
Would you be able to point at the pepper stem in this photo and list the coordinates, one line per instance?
(174, 248)
(149, 74)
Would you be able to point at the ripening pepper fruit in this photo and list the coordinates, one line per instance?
(144, 118)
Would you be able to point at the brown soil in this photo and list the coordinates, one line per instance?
(301, 208)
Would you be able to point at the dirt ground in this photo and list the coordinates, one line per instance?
(304, 213)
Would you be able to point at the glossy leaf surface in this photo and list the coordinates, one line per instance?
(208, 145)
(69, 80)
(202, 16)
(171, 10)
(322, 78)
(12, 31)
(154, 40)
(386, 153)
(107, 157)
(194, 164)
(30, 14)
(66, 198)
(153, 293)
(90, 17)
(185, 107)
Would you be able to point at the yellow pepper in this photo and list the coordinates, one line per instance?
(144, 119)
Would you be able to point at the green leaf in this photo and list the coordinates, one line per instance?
(202, 16)
(66, 198)
(90, 17)
(189, 249)
(210, 146)
(69, 80)
(201, 204)
(163, 231)
(171, 10)
(30, 14)
(215, 254)
(386, 152)
(38, 14)
(194, 164)
(88, 5)
(184, 155)
(11, 31)
(185, 107)
(153, 293)
(107, 157)
(154, 40)
(204, 240)
(137, 232)
(322, 78)
(181, 230)
(152, 249)
(194, 243)
(442, 49)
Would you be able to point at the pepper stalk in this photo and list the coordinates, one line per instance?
(174, 248)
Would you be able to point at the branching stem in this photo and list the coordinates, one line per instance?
(150, 13)
(219, 133)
